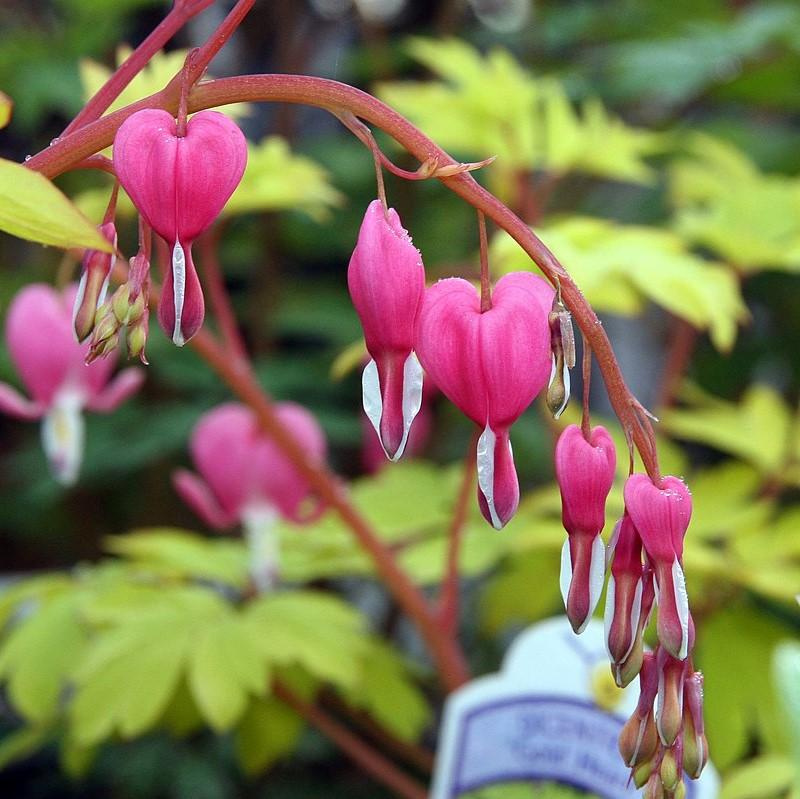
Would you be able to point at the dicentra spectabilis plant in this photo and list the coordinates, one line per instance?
(491, 350)
(50, 363)
(246, 479)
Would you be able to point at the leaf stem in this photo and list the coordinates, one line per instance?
(360, 752)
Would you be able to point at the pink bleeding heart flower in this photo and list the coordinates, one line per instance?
(695, 745)
(661, 516)
(386, 280)
(179, 184)
(93, 286)
(246, 478)
(50, 363)
(491, 365)
(629, 601)
(585, 474)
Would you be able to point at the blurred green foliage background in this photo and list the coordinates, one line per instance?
(654, 147)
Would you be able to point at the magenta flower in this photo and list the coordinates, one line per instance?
(585, 474)
(50, 363)
(491, 365)
(93, 286)
(386, 280)
(629, 601)
(245, 478)
(661, 517)
(695, 745)
(179, 184)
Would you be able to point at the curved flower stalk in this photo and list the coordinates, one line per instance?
(180, 183)
(50, 363)
(246, 479)
(585, 472)
(491, 365)
(386, 279)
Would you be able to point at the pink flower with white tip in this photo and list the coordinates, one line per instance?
(386, 280)
(245, 478)
(490, 364)
(50, 363)
(179, 184)
(661, 516)
(585, 473)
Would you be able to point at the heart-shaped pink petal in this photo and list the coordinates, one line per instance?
(491, 365)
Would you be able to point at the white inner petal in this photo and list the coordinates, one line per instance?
(564, 404)
(486, 444)
(608, 614)
(78, 301)
(682, 604)
(178, 290)
(597, 574)
(259, 522)
(565, 577)
(412, 398)
(63, 436)
(371, 395)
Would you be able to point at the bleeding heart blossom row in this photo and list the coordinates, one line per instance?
(491, 363)
(665, 735)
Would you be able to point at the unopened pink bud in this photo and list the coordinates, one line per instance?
(669, 703)
(661, 516)
(386, 280)
(695, 745)
(95, 272)
(491, 365)
(629, 600)
(179, 184)
(585, 473)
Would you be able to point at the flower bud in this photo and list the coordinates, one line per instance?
(671, 769)
(661, 516)
(638, 740)
(386, 280)
(669, 703)
(562, 344)
(585, 473)
(654, 788)
(644, 771)
(95, 272)
(695, 745)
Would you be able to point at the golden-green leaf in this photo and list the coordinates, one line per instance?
(619, 267)
(32, 208)
(724, 202)
(268, 731)
(756, 429)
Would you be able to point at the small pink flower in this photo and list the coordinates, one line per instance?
(180, 184)
(491, 365)
(386, 280)
(95, 273)
(50, 363)
(585, 474)
(246, 479)
(661, 517)
(629, 601)
(695, 745)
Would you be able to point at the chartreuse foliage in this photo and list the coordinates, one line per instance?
(166, 638)
(725, 203)
(621, 267)
(490, 105)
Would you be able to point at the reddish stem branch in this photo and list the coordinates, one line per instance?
(361, 753)
(340, 98)
(448, 600)
(416, 756)
(178, 16)
(220, 301)
(586, 425)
